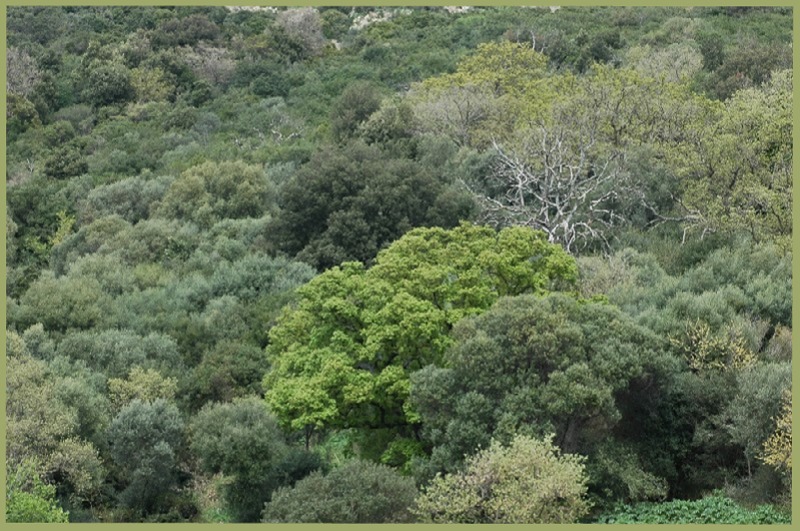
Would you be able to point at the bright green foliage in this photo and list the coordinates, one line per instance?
(144, 438)
(528, 482)
(737, 167)
(715, 509)
(29, 499)
(535, 366)
(357, 492)
(341, 357)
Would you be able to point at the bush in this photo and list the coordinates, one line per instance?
(527, 482)
(714, 509)
(356, 492)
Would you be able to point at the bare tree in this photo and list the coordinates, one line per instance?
(22, 74)
(305, 26)
(557, 181)
(210, 63)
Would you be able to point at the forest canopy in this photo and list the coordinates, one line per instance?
(365, 264)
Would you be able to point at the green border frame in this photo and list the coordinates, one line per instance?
(402, 3)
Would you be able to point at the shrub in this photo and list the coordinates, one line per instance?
(526, 482)
(356, 492)
(714, 509)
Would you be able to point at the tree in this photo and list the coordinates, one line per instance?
(737, 166)
(357, 492)
(486, 95)
(66, 161)
(231, 369)
(43, 428)
(144, 438)
(567, 170)
(108, 83)
(750, 415)
(777, 449)
(357, 102)
(242, 440)
(128, 198)
(212, 191)
(342, 355)
(116, 352)
(533, 365)
(304, 27)
(528, 482)
(348, 202)
(22, 73)
(146, 386)
(29, 499)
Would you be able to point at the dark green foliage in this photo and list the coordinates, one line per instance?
(357, 102)
(144, 438)
(229, 370)
(21, 115)
(348, 202)
(183, 31)
(242, 440)
(65, 161)
(356, 492)
(710, 510)
(534, 366)
(108, 84)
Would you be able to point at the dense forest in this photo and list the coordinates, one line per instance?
(342, 264)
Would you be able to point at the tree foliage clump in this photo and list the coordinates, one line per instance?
(536, 366)
(777, 451)
(211, 191)
(241, 439)
(528, 482)
(29, 499)
(358, 492)
(341, 357)
(349, 202)
(144, 440)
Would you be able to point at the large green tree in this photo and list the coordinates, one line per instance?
(342, 355)
(535, 366)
